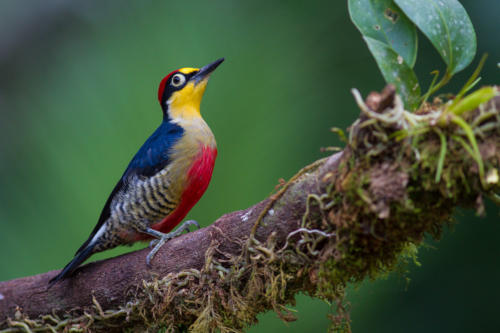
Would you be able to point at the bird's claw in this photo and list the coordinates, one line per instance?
(157, 243)
(185, 225)
(153, 243)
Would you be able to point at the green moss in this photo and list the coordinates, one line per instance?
(380, 233)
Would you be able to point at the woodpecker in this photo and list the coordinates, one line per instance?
(166, 177)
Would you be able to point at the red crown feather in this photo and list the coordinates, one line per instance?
(163, 82)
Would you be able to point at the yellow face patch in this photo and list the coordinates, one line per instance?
(185, 103)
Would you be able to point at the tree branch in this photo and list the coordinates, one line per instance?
(109, 281)
(355, 214)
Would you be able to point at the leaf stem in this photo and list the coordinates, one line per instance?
(475, 148)
(442, 155)
(433, 88)
(472, 80)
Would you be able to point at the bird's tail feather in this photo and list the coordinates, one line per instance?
(73, 264)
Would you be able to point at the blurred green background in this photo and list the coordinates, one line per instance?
(78, 87)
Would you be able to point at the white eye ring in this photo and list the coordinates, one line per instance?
(178, 80)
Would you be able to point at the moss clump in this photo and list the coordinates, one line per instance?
(402, 188)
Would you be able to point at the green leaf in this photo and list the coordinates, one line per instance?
(384, 21)
(396, 71)
(448, 27)
(473, 100)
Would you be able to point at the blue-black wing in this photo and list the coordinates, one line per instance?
(151, 158)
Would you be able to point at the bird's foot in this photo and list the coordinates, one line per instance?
(162, 238)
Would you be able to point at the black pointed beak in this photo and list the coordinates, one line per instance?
(206, 70)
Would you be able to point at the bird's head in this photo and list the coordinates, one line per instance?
(181, 91)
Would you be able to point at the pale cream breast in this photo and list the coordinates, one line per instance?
(197, 135)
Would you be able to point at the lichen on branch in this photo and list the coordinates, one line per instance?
(352, 216)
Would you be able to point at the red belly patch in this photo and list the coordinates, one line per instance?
(198, 178)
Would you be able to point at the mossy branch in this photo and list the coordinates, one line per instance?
(353, 215)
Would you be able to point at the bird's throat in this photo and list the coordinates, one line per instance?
(185, 103)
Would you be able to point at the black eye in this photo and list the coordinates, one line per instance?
(178, 80)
